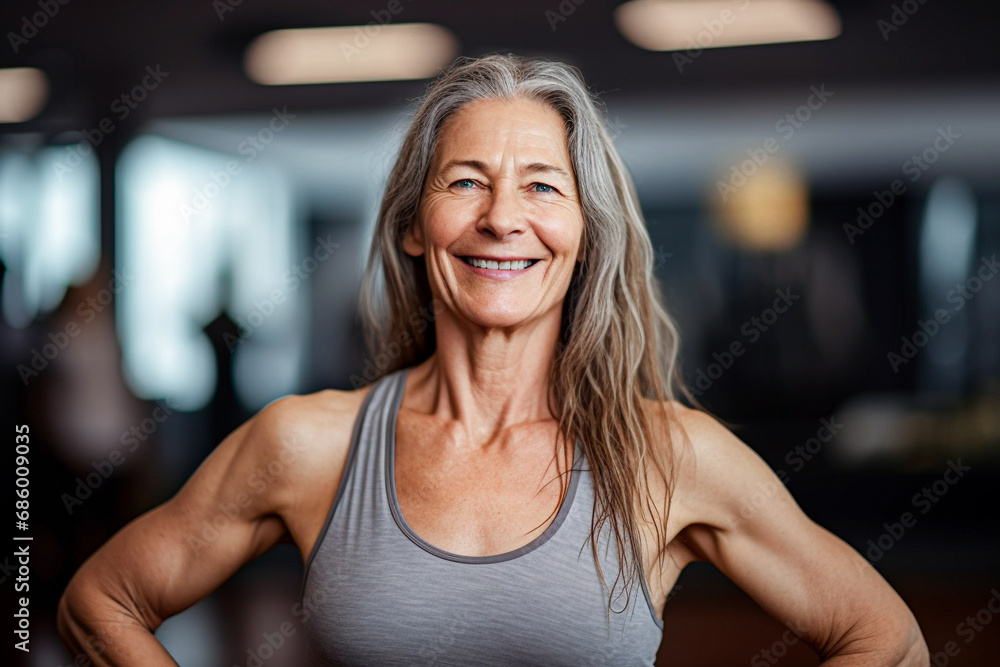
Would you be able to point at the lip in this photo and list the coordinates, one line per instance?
(497, 274)
(497, 258)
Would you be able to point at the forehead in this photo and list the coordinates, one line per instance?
(489, 128)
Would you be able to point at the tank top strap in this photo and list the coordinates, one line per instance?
(358, 493)
(378, 594)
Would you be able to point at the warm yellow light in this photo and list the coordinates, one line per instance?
(351, 53)
(769, 212)
(676, 25)
(23, 93)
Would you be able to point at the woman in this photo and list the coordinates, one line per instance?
(519, 486)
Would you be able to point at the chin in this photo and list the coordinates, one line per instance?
(497, 316)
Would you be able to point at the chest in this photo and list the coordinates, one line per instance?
(377, 595)
(476, 501)
(478, 505)
(367, 611)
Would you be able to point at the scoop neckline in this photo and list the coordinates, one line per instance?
(399, 390)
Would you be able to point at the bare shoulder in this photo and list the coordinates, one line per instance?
(303, 438)
(717, 475)
(307, 421)
(697, 441)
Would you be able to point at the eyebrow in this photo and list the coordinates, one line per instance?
(532, 168)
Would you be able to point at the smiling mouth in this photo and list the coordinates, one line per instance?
(502, 265)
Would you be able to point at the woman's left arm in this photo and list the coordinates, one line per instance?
(746, 523)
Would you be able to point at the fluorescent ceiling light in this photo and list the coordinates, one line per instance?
(350, 53)
(677, 25)
(23, 93)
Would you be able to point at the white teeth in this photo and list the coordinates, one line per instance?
(507, 265)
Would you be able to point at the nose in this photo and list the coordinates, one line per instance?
(505, 213)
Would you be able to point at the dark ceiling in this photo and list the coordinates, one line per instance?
(95, 51)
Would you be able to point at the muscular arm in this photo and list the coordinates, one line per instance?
(176, 554)
(752, 530)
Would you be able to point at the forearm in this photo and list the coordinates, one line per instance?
(107, 636)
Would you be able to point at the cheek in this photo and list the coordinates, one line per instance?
(444, 220)
(561, 229)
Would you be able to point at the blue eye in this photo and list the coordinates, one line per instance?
(543, 185)
(465, 180)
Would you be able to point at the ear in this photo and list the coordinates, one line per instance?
(413, 239)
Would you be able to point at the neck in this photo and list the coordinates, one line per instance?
(486, 380)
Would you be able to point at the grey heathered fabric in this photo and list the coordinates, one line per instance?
(377, 594)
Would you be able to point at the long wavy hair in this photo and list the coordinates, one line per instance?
(616, 358)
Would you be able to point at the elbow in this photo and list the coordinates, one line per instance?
(77, 617)
(912, 648)
(892, 643)
(68, 617)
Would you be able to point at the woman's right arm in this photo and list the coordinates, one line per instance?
(228, 513)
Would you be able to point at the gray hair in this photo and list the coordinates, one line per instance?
(615, 373)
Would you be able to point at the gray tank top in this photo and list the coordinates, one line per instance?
(375, 593)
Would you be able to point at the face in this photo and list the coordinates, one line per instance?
(500, 223)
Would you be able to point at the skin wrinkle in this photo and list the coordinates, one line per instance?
(608, 241)
(503, 150)
(500, 183)
(845, 645)
(590, 375)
